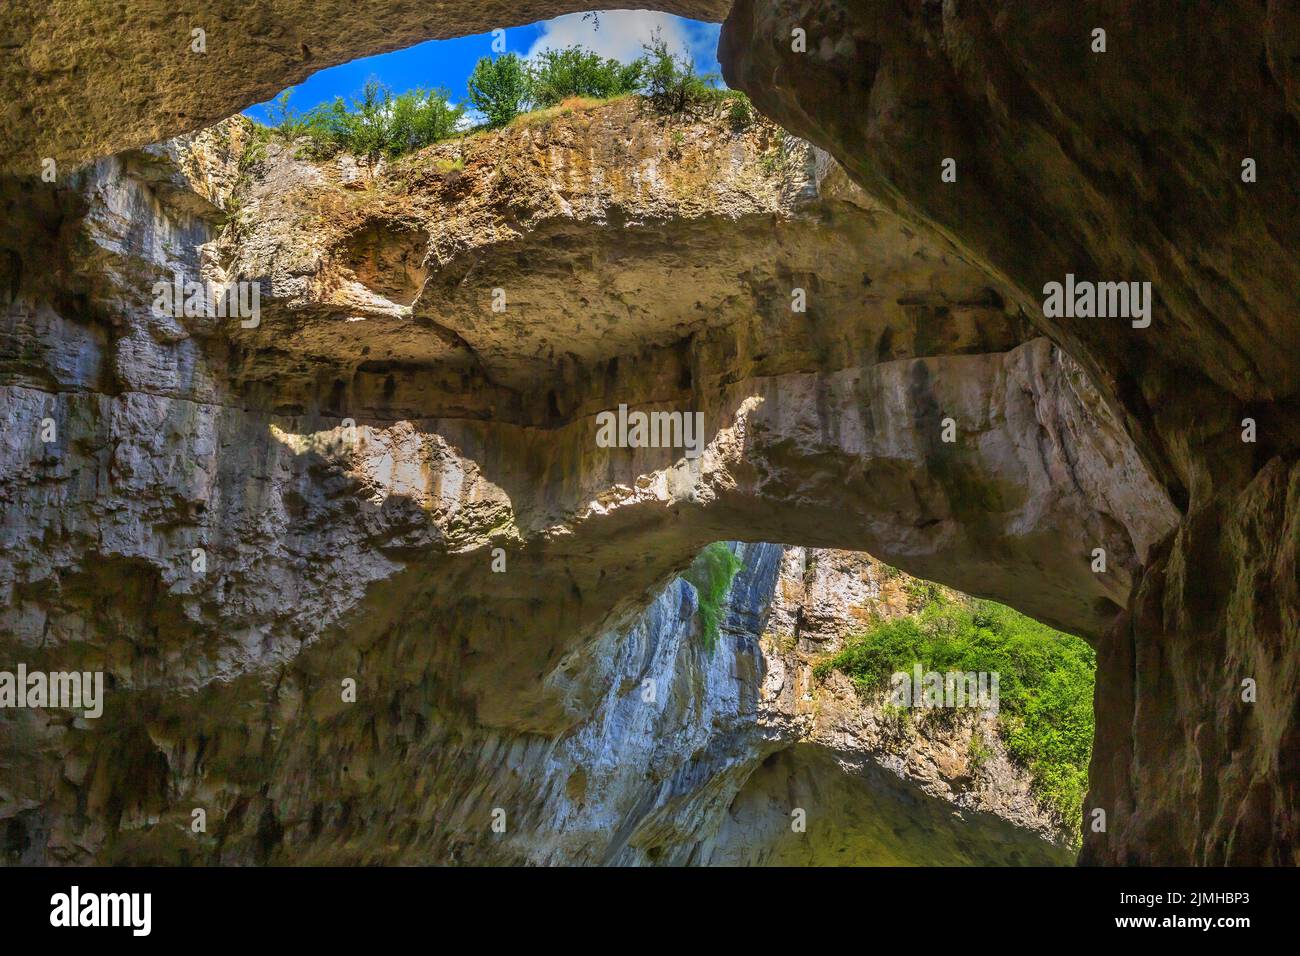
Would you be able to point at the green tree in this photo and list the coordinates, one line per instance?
(419, 117)
(284, 119)
(376, 122)
(670, 82)
(364, 124)
(556, 75)
(500, 88)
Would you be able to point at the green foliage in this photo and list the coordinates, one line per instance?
(254, 151)
(285, 121)
(376, 123)
(922, 594)
(251, 155)
(500, 89)
(556, 75)
(740, 112)
(1044, 685)
(711, 574)
(671, 84)
(420, 117)
(776, 160)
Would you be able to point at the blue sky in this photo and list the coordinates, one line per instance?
(448, 62)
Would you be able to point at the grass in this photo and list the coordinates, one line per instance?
(1045, 681)
(572, 104)
(711, 574)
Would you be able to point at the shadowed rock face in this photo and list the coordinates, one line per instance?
(1193, 774)
(1112, 167)
(681, 774)
(1108, 166)
(1118, 166)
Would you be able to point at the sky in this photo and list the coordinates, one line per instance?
(448, 63)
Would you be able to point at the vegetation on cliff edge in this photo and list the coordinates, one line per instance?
(378, 122)
(711, 574)
(1045, 681)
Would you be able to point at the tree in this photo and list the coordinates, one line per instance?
(284, 119)
(377, 122)
(365, 123)
(558, 74)
(500, 88)
(419, 117)
(671, 83)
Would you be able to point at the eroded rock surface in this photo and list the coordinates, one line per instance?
(364, 550)
(1122, 166)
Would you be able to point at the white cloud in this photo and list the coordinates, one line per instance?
(623, 34)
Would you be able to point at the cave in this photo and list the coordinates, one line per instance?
(366, 589)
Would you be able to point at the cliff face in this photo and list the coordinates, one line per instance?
(365, 548)
(365, 551)
(1118, 166)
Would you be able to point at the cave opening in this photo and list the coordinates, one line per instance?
(406, 440)
(453, 298)
(880, 773)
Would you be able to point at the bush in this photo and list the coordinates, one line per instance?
(376, 123)
(284, 119)
(421, 117)
(1044, 685)
(739, 110)
(500, 89)
(556, 75)
(711, 574)
(671, 84)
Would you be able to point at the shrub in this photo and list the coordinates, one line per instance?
(740, 112)
(421, 117)
(556, 75)
(284, 119)
(378, 122)
(671, 84)
(500, 89)
(711, 574)
(1044, 685)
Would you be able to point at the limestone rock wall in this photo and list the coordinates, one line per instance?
(1127, 165)
(364, 551)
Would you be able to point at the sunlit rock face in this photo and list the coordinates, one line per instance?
(588, 252)
(232, 521)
